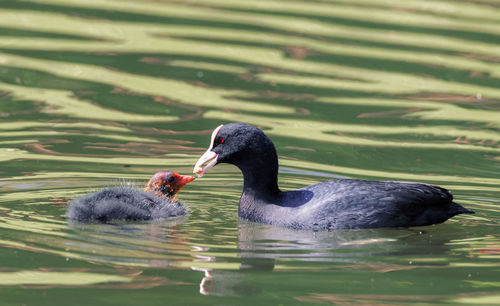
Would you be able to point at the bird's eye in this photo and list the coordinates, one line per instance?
(219, 140)
(170, 179)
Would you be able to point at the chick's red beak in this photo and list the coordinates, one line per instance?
(182, 180)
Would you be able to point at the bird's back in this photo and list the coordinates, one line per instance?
(368, 204)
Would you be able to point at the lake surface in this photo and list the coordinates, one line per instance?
(100, 92)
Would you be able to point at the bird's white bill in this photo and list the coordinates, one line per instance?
(208, 156)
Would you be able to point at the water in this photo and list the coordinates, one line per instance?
(94, 93)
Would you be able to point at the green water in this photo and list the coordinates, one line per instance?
(97, 92)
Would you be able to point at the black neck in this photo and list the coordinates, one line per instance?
(260, 171)
(260, 180)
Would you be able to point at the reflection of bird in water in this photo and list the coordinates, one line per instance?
(269, 242)
(335, 204)
(225, 283)
(156, 201)
(206, 283)
(264, 248)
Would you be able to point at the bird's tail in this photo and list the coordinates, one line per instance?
(457, 209)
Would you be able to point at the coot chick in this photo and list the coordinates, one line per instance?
(334, 204)
(156, 201)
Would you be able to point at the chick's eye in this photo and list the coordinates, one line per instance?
(221, 140)
(170, 179)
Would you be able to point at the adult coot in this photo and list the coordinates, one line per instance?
(156, 201)
(335, 204)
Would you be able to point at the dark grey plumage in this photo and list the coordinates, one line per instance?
(122, 203)
(336, 204)
(341, 204)
(127, 203)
